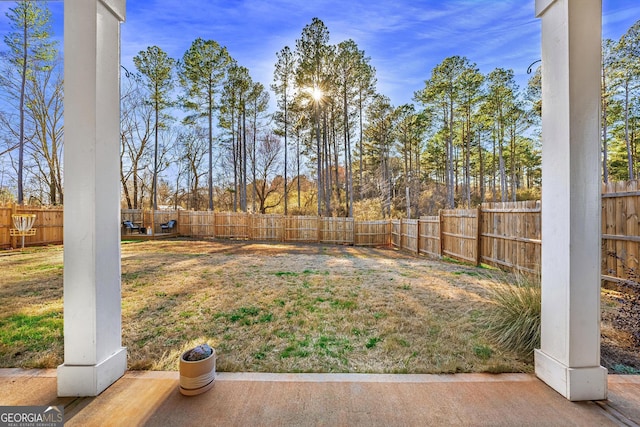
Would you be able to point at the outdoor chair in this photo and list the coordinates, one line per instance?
(168, 226)
(130, 227)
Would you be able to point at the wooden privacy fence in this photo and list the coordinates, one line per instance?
(502, 235)
(620, 231)
(48, 226)
(510, 235)
(459, 234)
(429, 236)
(231, 225)
(282, 228)
(505, 235)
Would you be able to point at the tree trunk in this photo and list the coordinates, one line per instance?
(493, 166)
(336, 163)
(481, 161)
(626, 129)
(244, 159)
(298, 170)
(286, 166)
(503, 175)
(319, 160)
(347, 158)
(253, 163)
(361, 149)
(210, 183)
(605, 151)
(514, 183)
(235, 153)
(467, 159)
(23, 84)
(450, 187)
(154, 184)
(327, 166)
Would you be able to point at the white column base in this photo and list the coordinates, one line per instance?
(91, 380)
(575, 384)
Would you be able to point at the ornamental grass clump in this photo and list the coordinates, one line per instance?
(513, 321)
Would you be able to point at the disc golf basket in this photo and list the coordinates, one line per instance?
(23, 224)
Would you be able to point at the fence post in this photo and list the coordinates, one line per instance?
(14, 211)
(479, 235)
(213, 217)
(441, 231)
(319, 226)
(400, 235)
(418, 236)
(284, 228)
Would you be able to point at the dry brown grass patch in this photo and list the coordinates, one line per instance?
(273, 308)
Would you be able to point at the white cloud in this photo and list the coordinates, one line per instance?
(404, 38)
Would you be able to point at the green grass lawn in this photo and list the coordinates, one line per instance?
(267, 308)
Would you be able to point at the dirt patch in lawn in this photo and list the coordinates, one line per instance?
(272, 308)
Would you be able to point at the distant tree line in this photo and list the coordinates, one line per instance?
(197, 132)
(621, 106)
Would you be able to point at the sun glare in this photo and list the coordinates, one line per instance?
(316, 93)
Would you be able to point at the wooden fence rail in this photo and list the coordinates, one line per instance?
(505, 235)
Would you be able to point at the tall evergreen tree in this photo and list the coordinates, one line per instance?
(409, 131)
(627, 78)
(312, 53)
(607, 95)
(443, 92)
(366, 83)
(470, 83)
(284, 87)
(157, 68)
(235, 97)
(378, 147)
(201, 72)
(349, 60)
(504, 111)
(258, 102)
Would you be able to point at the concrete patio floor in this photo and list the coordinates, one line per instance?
(254, 399)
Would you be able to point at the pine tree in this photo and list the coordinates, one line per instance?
(157, 68)
(312, 53)
(202, 70)
(284, 87)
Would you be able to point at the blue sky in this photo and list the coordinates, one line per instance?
(404, 38)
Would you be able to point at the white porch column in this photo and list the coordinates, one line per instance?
(93, 354)
(569, 357)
